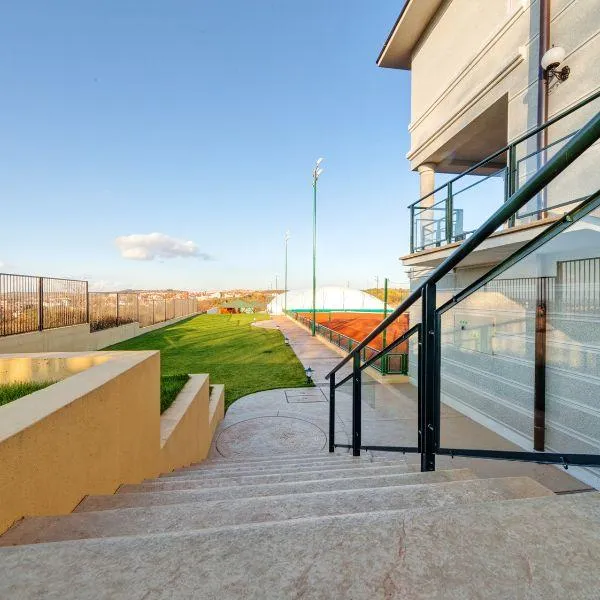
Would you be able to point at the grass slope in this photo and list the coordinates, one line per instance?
(246, 359)
(14, 391)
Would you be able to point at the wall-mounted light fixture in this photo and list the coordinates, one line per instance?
(551, 61)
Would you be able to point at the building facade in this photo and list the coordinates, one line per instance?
(521, 355)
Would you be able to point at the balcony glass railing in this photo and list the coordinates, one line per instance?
(453, 211)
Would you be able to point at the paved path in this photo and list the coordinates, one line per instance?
(296, 420)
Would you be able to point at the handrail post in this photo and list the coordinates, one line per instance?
(428, 379)
(512, 179)
(449, 211)
(412, 229)
(332, 413)
(356, 404)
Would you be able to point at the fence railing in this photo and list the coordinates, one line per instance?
(29, 304)
(393, 363)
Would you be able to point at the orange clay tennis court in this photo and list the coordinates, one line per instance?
(358, 325)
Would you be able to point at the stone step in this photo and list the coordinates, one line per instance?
(220, 513)
(323, 459)
(203, 494)
(280, 468)
(223, 460)
(542, 548)
(377, 469)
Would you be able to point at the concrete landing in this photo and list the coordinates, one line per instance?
(540, 549)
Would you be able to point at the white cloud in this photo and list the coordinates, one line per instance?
(149, 246)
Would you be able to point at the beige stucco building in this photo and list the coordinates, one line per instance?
(478, 96)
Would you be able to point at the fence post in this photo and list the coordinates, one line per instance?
(332, 413)
(153, 321)
(356, 404)
(117, 309)
(165, 299)
(137, 307)
(40, 303)
(87, 301)
(429, 379)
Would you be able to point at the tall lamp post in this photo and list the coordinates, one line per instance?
(316, 174)
(285, 283)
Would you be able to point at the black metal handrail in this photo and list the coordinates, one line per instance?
(587, 135)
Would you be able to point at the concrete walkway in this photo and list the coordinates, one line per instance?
(287, 421)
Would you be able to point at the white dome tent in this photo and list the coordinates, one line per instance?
(328, 298)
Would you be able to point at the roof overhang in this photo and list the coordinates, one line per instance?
(408, 29)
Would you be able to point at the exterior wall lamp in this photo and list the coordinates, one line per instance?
(550, 62)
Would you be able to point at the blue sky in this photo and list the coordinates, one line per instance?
(200, 120)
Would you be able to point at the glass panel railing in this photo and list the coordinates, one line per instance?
(570, 188)
(429, 223)
(520, 357)
(390, 399)
(474, 198)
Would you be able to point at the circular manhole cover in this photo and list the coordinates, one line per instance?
(270, 435)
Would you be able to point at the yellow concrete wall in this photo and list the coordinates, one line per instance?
(216, 406)
(47, 366)
(98, 427)
(84, 435)
(76, 338)
(185, 434)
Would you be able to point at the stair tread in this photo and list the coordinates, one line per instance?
(201, 494)
(279, 469)
(392, 554)
(219, 513)
(276, 477)
(202, 468)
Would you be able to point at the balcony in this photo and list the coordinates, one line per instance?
(453, 211)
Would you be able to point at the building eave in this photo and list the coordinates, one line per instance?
(410, 25)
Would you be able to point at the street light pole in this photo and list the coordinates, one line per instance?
(287, 239)
(316, 174)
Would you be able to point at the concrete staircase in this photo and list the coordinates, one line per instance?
(311, 526)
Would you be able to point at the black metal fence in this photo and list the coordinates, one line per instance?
(578, 285)
(393, 363)
(111, 309)
(29, 303)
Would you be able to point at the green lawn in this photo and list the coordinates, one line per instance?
(13, 391)
(246, 359)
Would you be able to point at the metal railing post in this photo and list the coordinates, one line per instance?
(40, 303)
(117, 311)
(449, 214)
(512, 179)
(356, 404)
(428, 383)
(87, 302)
(332, 413)
(412, 229)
